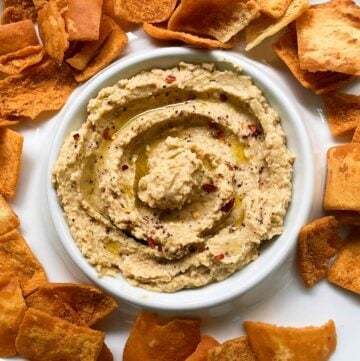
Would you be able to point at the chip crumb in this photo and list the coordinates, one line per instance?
(318, 242)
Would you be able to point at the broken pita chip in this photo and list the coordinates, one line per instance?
(342, 112)
(160, 32)
(265, 26)
(145, 11)
(82, 19)
(161, 340)
(8, 219)
(40, 88)
(356, 136)
(342, 191)
(318, 242)
(319, 82)
(347, 217)
(345, 271)
(89, 50)
(109, 51)
(18, 10)
(15, 63)
(12, 310)
(274, 8)
(201, 351)
(52, 31)
(311, 343)
(89, 302)
(219, 19)
(236, 349)
(329, 37)
(16, 36)
(11, 144)
(48, 301)
(17, 260)
(105, 354)
(45, 338)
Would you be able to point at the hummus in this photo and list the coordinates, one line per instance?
(176, 177)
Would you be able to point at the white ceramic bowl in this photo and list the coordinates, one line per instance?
(271, 256)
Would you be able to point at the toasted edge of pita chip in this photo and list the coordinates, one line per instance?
(319, 82)
(146, 11)
(265, 26)
(318, 242)
(11, 144)
(105, 354)
(160, 32)
(345, 271)
(89, 50)
(16, 36)
(17, 260)
(88, 301)
(328, 38)
(15, 63)
(42, 337)
(223, 19)
(356, 136)
(52, 31)
(8, 218)
(109, 51)
(235, 349)
(347, 217)
(12, 310)
(274, 8)
(82, 19)
(306, 343)
(201, 351)
(44, 87)
(342, 190)
(152, 338)
(342, 112)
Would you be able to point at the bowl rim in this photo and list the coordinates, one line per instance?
(250, 68)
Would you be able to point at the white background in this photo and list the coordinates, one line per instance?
(286, 301)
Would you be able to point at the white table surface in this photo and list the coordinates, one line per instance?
(285, 301)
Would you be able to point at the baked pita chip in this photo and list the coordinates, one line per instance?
(319, 82)
(345, 271)
(52, 31)
(342, 191)
(236, 349)
(40, 88)
(342, 112)
(274, 8)
(111, 48)
(11, 144)
(318, 242)
(15, 63)
(18, 10)
(219, 19)
(161, 340)
(356, 136)
(82, 19)
(271, 342)
(347, 217)
(16, 36)
(12, 309)
(201, 351)
(105, 354)
(45, 338)
(8, 219)
(109, 9)
(265, 26)
(144, 11)
(89, 49)
(160, 32)
(48, 301)
(89, 302)
(17, 260)
(329, 37)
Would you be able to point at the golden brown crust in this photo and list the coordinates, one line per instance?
(201, 352)
(8, 219)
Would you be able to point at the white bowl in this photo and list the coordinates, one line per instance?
(272, 256)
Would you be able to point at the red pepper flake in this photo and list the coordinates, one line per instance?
(228, 205)
(253, 128)
(170, 79)
(223, 97)
(76, 137)
(124, 167)
(151, 243)
(159, 247)
(209, 187)
(219, 257)
(106, 134)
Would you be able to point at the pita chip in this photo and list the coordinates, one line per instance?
(236, 349)
(8, 219)
(274, 8)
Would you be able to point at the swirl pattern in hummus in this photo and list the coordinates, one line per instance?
(176, 177)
